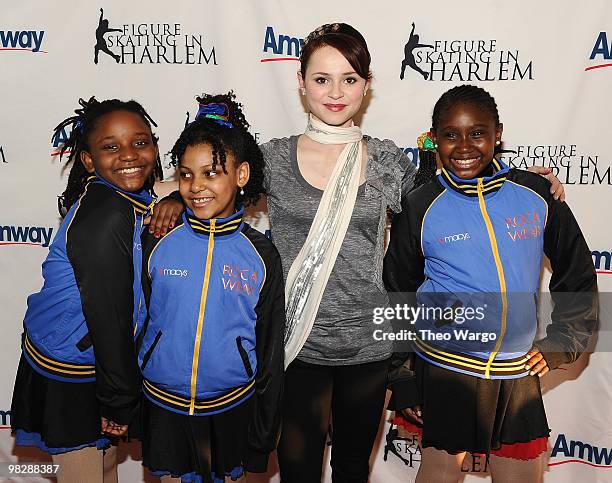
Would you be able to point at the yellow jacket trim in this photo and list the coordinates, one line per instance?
(458, 359)
(500, 274)
(178, 401)
(144, 208)
(86, 369)
(198, 337)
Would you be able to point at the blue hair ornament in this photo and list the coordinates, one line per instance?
(216, 111)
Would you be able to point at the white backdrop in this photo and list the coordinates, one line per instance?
(546, 63)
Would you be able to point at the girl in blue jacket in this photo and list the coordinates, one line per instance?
(470, 244)
(211, 349)
(78, 381)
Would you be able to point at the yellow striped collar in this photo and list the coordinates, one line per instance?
(221, 227)
(142, 201)
(468, 187)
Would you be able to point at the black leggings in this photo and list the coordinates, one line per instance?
(355, 395)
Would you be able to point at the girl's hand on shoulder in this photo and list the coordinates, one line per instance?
(165, 214)
(413, 414)
(556, 187)
(112, 428)
(536, 363)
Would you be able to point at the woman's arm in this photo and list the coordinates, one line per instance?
(556, 187)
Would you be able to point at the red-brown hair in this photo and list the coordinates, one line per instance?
(346, 40)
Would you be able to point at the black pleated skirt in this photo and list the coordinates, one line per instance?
(52, 415)
(210, 447)
(466, 413)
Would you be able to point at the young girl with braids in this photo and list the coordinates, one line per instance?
(482, 395)
(66, 401)
(212, 343)
(329, 189)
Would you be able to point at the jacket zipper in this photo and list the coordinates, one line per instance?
(137, 229)
(198, 337)
(500, 275)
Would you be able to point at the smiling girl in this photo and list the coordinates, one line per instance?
(212, 346)
(484, 396)
(78, 381)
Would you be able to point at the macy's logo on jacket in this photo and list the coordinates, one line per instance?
(172, 272)
(453, 238)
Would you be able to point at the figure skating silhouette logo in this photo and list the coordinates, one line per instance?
(409, 60)
(101, 44)
(406, 448)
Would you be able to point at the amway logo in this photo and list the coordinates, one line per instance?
(413, 153)
(284, 46)
(172, 272)
(58, 139)
(25, 235)
(581, 452)
(5, 419)
(602, 261)
(603, 49)
(24, 40)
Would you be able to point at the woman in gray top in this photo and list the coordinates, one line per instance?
(328, 194)
(339, 368)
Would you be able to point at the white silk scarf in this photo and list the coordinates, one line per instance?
(310, 271)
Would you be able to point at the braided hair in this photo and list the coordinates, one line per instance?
(83, 123)
(222, 138)
(464, 94)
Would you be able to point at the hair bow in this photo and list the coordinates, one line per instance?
(216, 111)
(425, 142)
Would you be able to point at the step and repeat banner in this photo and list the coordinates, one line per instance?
(548, 64)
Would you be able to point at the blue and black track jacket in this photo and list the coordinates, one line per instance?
(456, 240)
(90, 299)
(213, 336)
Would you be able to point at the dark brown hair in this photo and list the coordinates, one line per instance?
(223, 139)
(346, 40)
(464, 94)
